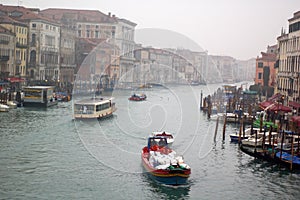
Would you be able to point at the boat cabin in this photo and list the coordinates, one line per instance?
(157, 142)
(39, 96)
(94, 108)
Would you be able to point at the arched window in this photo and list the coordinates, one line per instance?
(32, 57)
(32, 73)
(33, 39)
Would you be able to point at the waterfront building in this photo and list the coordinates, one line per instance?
(124, 39)
(20, 31)
(224, 68)
(288, 77)
(99, 64)
(67, 55)
(161, 66)
(197, 71)
(265, 67)
(7, 57)
(97, 26)
(44, 42)
(245, 70)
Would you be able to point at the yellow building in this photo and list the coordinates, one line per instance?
(20, 53)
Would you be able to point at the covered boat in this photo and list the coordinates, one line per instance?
(138, 97)
(162, 164)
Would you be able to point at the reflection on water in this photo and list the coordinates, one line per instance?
(168, 192)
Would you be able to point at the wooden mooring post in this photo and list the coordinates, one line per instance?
(224, 127)
(216, 130)
(201, 97)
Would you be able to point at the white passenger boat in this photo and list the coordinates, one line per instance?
(94, 108)
(39, 96)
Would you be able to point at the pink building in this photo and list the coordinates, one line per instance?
(265, 67)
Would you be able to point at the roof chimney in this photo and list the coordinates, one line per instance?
(109, 14)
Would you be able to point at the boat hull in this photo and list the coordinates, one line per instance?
(235, 138)
(96, 116)
(287, 158)
(137, 99)
(39, 104)
(165, 176)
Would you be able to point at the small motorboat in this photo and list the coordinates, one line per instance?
(162, 164)
(12, 104)
(257, 139)
(234, 137)
(4, 108)
(167, 135)
(138, 97)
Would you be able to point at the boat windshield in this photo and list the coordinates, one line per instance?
(157, 141)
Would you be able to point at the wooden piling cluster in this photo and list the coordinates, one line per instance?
(269, 151)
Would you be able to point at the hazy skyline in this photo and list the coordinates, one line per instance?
(237, 28)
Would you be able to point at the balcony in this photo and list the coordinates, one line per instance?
(4, 58)
(4, 42)
(21, 46)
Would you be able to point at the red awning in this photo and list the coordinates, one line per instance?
(15, 79)
(265, 104)
(294, 104)
(296, 119)
(279, 107)
(275, 97)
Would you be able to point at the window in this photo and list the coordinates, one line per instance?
(33, 25)
(96, 34)
(33, 38)
(50, 40)
(260, 65)
(259, 75)
(87, 34)
(79, 33)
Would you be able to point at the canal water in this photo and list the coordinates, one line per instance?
(45, 154)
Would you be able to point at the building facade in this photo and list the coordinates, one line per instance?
(265, 74)
(20, 52)
(288, 77)
(7, 47)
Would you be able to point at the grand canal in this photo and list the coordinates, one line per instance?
(47, 155)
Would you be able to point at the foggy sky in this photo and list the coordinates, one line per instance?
(237, 28)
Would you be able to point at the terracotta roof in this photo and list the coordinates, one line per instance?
(78, 15)
(268, 56)
(27, 13)
(4, 19)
